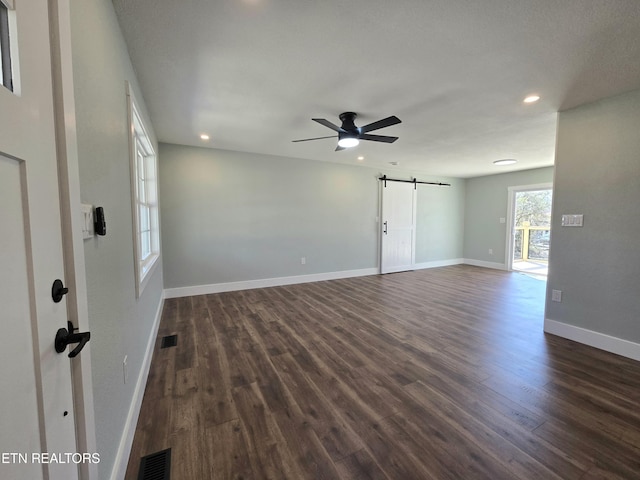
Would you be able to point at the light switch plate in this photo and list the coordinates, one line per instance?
(572, 220)
(87, 221)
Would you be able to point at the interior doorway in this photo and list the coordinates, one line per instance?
(529, 229)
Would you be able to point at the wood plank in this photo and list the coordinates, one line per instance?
(335, 435)
(263, 436)
(225, 443)
(360, 466)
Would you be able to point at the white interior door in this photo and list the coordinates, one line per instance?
(398, 226)
(37, 421)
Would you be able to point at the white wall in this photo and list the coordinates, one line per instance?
(120, 324)
(233, 217)
(597, 267)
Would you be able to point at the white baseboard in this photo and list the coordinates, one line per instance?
(126, 441)
(480, 263)
(438, 263)
(265, 282)
(279, 281)
(599, 340)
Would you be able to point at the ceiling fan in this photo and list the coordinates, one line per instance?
(349, 135)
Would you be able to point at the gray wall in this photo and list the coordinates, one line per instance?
(233, 216)
(486, 203)
(120, 324)
(439, 220)
(597, 267)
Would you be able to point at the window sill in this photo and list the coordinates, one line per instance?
(146, 274)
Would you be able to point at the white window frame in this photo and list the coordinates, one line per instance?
(144, 196)
(8, 53)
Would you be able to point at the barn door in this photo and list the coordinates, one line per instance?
(37, 417)
(398, 226)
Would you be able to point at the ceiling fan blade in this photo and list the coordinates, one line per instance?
(328, 124)
(378, 138)
(338, 148)
(317, 138)
(385, 122)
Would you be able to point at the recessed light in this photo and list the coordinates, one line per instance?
(506, 161)
(531, 99)
(204, 136)
(360, 158)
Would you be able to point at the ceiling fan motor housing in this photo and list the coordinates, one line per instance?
(348, 122)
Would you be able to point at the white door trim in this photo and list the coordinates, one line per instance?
(69, 187)
(511, 202)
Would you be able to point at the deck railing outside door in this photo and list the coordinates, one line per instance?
(531, 242)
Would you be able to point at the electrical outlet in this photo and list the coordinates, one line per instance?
(125, 369)
(303, 261)
(556, 295)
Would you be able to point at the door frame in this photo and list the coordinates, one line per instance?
(72, 240)
(511, 206)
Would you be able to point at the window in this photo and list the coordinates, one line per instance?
(144, 188)
(6, 76)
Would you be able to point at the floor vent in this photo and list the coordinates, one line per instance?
(169, 341)
(156, 466)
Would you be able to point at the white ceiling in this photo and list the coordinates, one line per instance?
(252, 74)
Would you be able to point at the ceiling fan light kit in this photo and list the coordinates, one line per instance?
(349, 135)
(347, 141)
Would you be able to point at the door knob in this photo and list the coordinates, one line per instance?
(66, 337)
(58, 290)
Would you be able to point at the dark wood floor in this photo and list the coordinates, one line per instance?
(434, 374)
